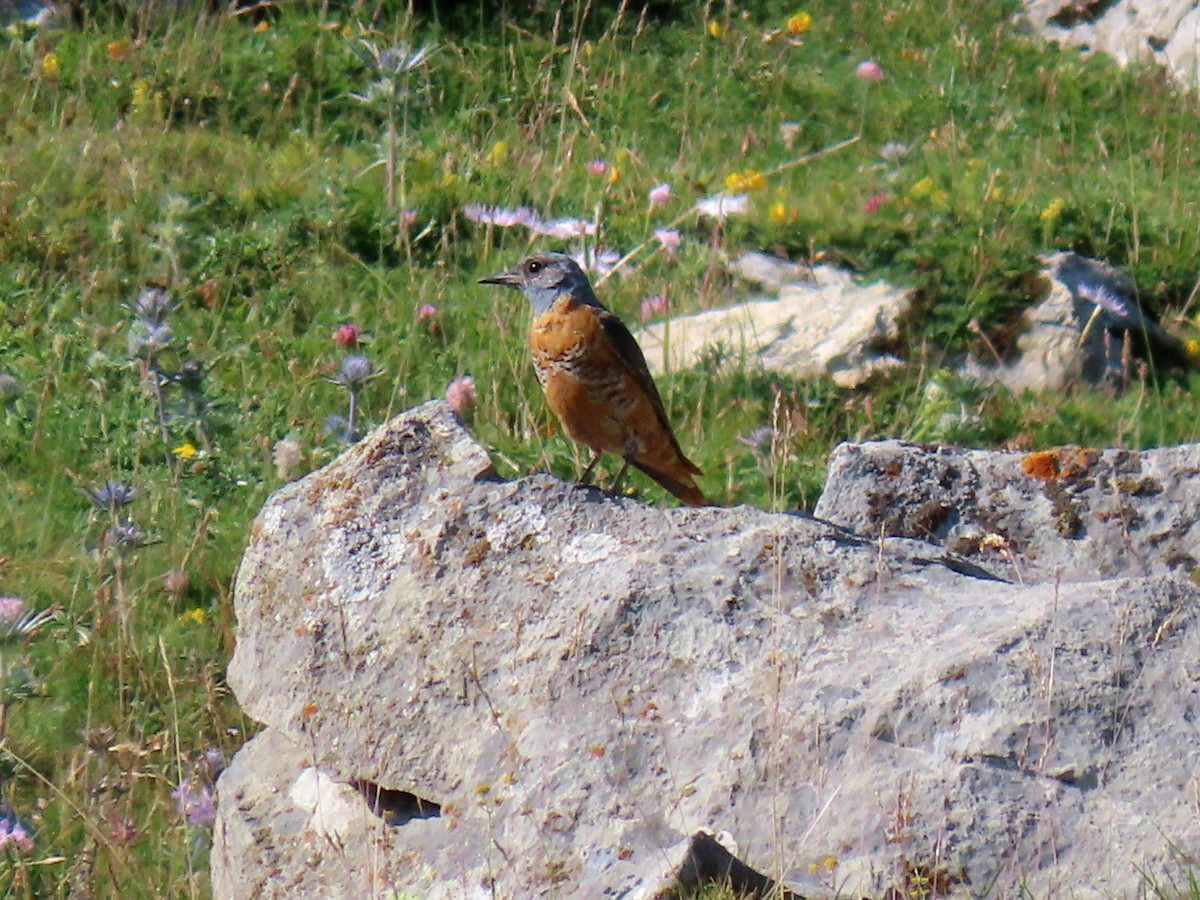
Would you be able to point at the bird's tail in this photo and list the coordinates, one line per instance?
(684, 486)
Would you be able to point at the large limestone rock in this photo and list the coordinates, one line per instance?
(477, 688)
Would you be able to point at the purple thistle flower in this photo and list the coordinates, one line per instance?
(195, 801)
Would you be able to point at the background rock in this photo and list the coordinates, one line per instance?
(1089, 328)
(1163, 31)
(581, 683)
(822, 322)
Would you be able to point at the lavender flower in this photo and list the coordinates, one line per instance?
(355, 371)
(195, 801)
(111, 495)
(13, 833)
(152, 305)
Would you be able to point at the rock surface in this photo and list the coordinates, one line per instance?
(822, 322)
(1162, 31)
(1089, 329)
(569, 687)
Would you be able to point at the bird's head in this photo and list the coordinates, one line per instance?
(544, 277)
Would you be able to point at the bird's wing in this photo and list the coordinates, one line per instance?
(631, 355)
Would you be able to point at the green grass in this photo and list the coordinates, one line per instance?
(236, 166)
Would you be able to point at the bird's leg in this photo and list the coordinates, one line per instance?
(616, 485)
(587, 473)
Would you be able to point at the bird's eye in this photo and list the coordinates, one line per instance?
(534, 267)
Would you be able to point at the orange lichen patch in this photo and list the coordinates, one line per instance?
(1061, 462)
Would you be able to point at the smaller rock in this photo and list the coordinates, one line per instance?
(828, 324)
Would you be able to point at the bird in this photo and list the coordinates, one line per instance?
(594, 375)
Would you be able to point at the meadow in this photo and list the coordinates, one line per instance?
(230, 244)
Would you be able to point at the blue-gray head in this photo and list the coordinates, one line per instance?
(544, 277)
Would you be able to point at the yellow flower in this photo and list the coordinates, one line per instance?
(141, 94)
(186, 451)
(831, 863)
(1192, 347)
(614, 174)
(778, 212)
(449, 179)
(498, 153)
(750, 180)
(921, 189)
(196, 616)
(50, 64)
(1053, 209)
(799, 23)
(996, 194)
(714, 29)
(939, 198)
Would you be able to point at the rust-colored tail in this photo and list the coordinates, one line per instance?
(680, 483)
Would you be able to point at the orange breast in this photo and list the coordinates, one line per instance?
(585, 382)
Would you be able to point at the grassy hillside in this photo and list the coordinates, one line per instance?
(243, 165)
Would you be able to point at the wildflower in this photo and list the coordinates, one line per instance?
(499, 216)
(10, 388)
(874, 204)
(996, 194)
(760, 439)
(1054, 209)
(750, 180)
(714, 29)
(869, 70)
(13, 833)
(799, 23)
(1192, 347)
(175, 582)
(354, 371)
(893, 151)
(195, 616)
(600, 261)
(461, 394)
(152, 305)
(12, 610)
(659, 194)
(597, 167)
(50, 64)
(185, 451)
(668, 239)
(657, 305)
(347, 335)
(564, 229)
(141, 95)
(939, 198)
(401, 58)
(195, 802)
(147, 339)
(614, 175)
(778, 213)
(125, 535)
(921, 189)
(498, 153)
(122, 831)
(117, 50)
(789, 132)
(111, 495)
(722, 206)
(427, 314)
(407, 217)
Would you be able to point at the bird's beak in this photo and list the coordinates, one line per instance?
(511, 278)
